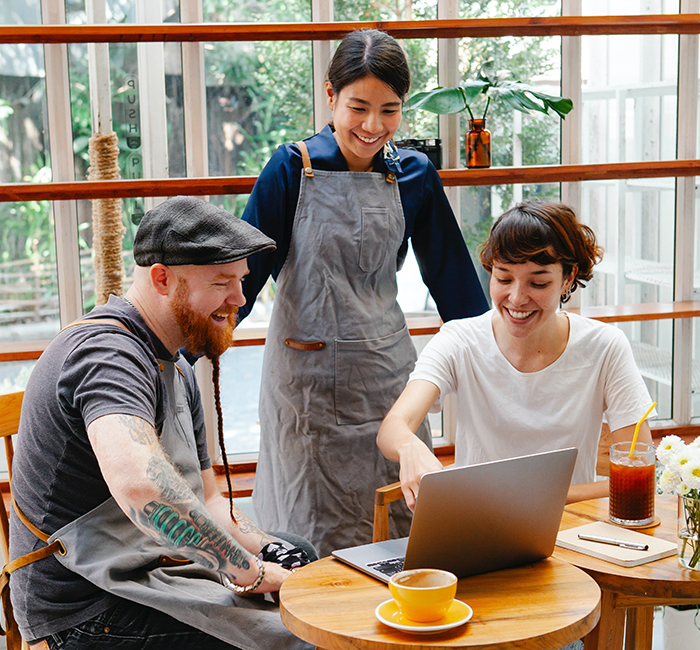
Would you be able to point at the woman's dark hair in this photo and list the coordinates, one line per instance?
(544, 233)
(367, 52)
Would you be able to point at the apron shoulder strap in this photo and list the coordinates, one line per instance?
(305, 159)
(96, 321)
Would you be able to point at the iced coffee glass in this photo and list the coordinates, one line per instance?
(632, 484)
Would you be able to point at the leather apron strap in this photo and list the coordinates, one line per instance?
(305, 159)
(11, 630)
(309, 172)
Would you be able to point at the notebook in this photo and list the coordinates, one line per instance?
(658, 548)
(479, 518)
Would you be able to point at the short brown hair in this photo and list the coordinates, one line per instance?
(544, 233)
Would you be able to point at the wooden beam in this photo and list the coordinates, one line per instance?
(454, 28)
(86, 190)
(21, 350)
(640, 312)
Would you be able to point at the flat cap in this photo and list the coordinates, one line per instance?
(186, 230)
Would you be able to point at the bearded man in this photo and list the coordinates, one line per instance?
(112, 463)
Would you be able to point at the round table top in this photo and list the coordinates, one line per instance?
(544, 605)
(664, 579)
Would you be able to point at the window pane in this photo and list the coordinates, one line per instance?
(629, 108)
(628, 7)
(509, 8)
(28, 285)
(259, 96)
(634, 222)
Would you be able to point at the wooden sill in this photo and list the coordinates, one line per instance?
(640, 312)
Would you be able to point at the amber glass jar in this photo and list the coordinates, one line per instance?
(478, 142)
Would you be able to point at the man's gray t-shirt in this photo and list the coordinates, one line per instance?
(87, 371)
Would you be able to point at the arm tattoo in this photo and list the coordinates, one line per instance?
(139, 430)
(173, 487)
(178, 520)
(248, 527)
(196, 531)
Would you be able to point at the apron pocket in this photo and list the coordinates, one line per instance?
(370, 375)
(377, 234)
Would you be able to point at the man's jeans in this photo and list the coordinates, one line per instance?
(127, 626)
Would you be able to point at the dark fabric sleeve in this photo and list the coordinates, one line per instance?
(111, 373)
(271, 208)
(444, 261)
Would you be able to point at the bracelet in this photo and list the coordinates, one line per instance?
(241, 591)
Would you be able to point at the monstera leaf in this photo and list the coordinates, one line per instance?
(495, 85)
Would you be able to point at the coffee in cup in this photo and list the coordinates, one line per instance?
(423, 595)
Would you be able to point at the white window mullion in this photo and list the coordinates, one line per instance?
(685, 218)
(98, 68)
(151, 79)
(448, 75)
(194, 92)
(571, 126)
(321, 12)
(62, 166)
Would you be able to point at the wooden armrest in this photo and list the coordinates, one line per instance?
(387, 494)
(383, 496)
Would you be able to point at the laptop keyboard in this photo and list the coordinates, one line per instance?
(388, 567)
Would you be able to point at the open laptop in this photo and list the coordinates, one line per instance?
(479, 518)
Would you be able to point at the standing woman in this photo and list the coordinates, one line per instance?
(338, 351)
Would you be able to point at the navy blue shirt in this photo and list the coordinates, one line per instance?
(443, 258)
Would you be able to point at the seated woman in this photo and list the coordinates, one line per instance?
(528, 377)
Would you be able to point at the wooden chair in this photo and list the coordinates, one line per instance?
(10, 407)
(383, 496)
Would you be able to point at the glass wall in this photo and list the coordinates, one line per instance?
(261, 94)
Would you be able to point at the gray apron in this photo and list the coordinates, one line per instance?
(107, 549)
(337, 356)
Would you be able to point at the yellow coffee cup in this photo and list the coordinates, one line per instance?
(423, 595)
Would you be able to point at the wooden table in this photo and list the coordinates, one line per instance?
(630, 594)
(539, 606)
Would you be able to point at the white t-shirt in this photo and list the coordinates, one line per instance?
(502, 412)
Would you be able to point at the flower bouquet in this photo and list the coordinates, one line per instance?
(681, 476)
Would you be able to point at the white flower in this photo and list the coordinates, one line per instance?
(668, 448)
(690, 473)
(668, 481)
(684, 456)
(695, 443)
(682, 489)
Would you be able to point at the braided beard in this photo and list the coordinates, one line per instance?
(202, 336)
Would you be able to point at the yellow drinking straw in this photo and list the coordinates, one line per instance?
(636, 429)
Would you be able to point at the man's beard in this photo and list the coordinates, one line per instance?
(202, 336)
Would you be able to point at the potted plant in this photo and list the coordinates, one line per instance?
(490, 84)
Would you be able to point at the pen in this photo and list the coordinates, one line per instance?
(615, 542)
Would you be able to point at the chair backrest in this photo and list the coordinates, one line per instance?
(10, 408)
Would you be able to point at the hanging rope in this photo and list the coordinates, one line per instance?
(107, 227)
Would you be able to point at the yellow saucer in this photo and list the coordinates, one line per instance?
(389, 614)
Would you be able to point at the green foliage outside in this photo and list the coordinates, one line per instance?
(259, 95)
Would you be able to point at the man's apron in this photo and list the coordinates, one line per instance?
(104, 547)
(337, 356)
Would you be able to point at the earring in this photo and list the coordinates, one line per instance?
(565, 296)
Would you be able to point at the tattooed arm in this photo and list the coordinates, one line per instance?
(246, 532)
(159, 501)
